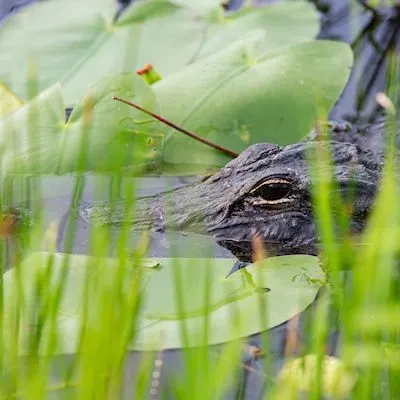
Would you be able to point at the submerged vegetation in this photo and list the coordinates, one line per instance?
(112, 322)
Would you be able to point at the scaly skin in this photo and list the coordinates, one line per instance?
(265, 192)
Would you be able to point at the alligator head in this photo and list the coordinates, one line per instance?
(264, 192)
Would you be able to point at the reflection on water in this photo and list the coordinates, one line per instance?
(54, 202)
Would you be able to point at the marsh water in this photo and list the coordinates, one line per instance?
(373, 38)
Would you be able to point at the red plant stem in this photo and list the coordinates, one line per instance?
(222, 149)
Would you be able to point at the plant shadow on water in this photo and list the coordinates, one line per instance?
(244, 369)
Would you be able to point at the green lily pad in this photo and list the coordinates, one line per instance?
(36, 139)
(237, 97)
(78, 42)
(249, 301)
(204, 5)
(242, 95)
(119, 136)
(29, 137)
(8, 101)
(284, 24)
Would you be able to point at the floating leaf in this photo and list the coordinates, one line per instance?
(119, 136)
(29, 137)
(203, 5)
(237, 97)
(78, 42)
(241, 96)
(234, 98)
(36, 139)
(278, 288)
(284, 24)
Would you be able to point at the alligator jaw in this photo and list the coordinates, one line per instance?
(179, 209)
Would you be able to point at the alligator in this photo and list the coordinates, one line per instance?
(264, 192)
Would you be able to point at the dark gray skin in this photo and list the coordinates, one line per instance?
(265, 192)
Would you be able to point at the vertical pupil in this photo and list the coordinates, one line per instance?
(273, 191)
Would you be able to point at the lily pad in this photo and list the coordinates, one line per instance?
(284, 24)
(204, 5)
(36, 139)
(237, 97)
(78, 42)
(249, 301)
(29, 136)
(119, 136)
(241, 96)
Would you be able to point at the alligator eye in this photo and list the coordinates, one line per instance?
(273, 191)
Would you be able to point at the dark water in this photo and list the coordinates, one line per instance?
(373, 37)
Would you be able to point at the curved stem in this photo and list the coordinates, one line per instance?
(222, 149)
